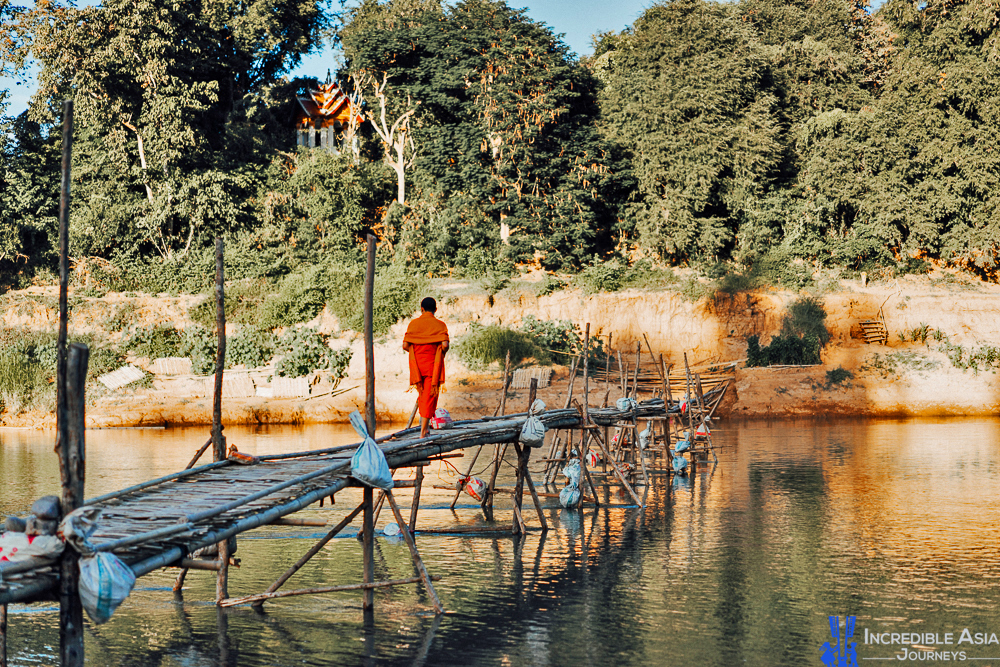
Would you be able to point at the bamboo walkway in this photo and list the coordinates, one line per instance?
(160, 522)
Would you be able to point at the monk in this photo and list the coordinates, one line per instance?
(426, 340)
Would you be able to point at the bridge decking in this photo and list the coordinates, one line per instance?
(158, 523)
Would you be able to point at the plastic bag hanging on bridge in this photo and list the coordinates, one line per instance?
(533, 431)
(645, 435)
(569, 497)
(682, 446)
(625, 404)
(368, 465)
(680, 464)
(105, 582)
(77, 526)
(573, 472)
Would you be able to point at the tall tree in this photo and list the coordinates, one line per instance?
(165, 88)
(505, 127)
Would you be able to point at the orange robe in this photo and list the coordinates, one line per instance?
(425, 335)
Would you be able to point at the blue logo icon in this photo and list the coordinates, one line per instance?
(841, 654)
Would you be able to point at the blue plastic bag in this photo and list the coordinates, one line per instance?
(680, 464)
(682, 446)
(368, 465)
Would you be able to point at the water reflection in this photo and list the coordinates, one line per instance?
(893, 520)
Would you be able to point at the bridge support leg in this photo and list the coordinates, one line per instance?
(222, 581)
(3, 635)
(312, 552)
(368, 528)
(415, 505)
(418, 563)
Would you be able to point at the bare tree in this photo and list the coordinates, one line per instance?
(397, 139)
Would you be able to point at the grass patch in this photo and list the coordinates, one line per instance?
(895, 363)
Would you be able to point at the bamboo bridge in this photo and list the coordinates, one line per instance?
(189, 519)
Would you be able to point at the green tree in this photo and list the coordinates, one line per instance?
(168, 94)
(504, 130)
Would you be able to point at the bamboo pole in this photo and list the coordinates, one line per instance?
(260, 597)
(498, 451)
(416, 496)
(71, 378)
(368, 524)
(308, 555)
(369, 343)
(638, 362)
(219, 440)
(72, 467)
(418, 563)
(3, 635)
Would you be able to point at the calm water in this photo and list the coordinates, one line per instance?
(895, 522)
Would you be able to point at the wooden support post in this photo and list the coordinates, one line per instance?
(369, 342)
(415, 505)
(312, 552)
(498, 452)
(418, 563)
(522, 462)
(3, 635)
(72, 466)
(638, 362)
(586, 408)
(222, 581)
(219, 440)
(523, 453)
(368, 524)
(368, 550)
(71, 378)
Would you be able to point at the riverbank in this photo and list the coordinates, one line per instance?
(941, 357)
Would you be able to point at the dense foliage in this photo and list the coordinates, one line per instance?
(758, 134)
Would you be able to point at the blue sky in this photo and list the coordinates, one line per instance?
(576, 19)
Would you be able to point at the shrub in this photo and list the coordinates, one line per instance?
(838, 376)
(201, 346)
(300, 298)
(548, 285)
(162, 340)
(791, 350)
(806, 317)
(481, 346)
(561, 337)
(606, 276)
(306, 350)
(252, 347)
(396, 295)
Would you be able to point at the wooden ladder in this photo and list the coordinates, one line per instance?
(875, 331)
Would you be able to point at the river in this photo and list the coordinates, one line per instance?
(894, 522)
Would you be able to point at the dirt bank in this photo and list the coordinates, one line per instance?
(900, 378)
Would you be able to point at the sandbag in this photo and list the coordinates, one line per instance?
(105, 582)
(368, 465)
(682, 446)
(569, 497)
(680, 464)
(533, 431)
(592, 459)
(441, 419)
(18, 547)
